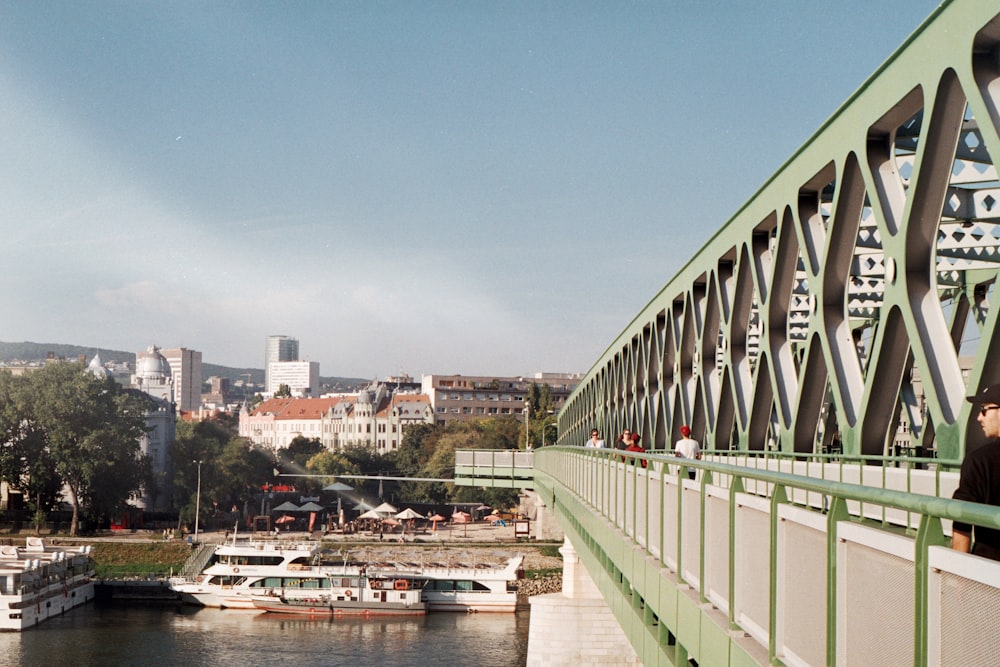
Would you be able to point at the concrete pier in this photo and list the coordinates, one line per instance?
(576, 626)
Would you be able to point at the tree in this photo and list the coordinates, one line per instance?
(331, 463)
(231, 468)
(92, 428)
(25, 463)
(284, 391)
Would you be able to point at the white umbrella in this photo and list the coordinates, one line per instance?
(370, 514)
(408, 513)
(386, 508)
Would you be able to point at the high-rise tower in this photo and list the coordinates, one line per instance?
(279, 348)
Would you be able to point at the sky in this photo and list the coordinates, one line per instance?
(477, 188)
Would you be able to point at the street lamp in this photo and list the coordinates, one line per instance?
(197, 502)
(527, 425)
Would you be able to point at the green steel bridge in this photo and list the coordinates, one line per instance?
(820, 346)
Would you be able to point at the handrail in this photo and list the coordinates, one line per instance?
(607, 499)
(942, 508)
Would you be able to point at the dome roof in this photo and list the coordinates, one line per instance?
(151, 365)
(96, 367)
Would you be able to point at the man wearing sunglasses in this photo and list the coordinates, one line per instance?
(980, 479)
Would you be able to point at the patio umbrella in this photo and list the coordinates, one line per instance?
(311, 507)
(408, 513)
(286, 507)
(386, 508)
(370, 514)
(390, 522)
(338, 487)
(285, 518)
(434, 519)
(463, 518)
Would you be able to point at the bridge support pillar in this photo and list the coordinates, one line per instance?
(543, 522)
(576, 626)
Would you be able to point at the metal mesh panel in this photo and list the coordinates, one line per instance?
(691, 537)
(802, 594)
(969, 613)
(877, 607)
(752, 571)
(717, 551)
(670, 524)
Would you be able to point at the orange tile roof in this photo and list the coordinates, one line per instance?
(296, 408)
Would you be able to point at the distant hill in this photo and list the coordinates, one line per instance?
(28, 352)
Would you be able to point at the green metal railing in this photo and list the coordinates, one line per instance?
(651, 540)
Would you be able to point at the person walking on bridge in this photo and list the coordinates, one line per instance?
(687, 448)
(979, 481)
(595, 442)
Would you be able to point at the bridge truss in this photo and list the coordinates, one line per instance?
(847, 305)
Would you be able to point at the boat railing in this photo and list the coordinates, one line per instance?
(197, 561)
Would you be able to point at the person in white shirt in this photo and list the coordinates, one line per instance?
(595, 442)
(687, 448)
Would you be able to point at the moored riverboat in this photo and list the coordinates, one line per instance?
(38, 582)
(347, 596)
(241, 570)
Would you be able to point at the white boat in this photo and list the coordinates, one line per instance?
(468, 588)
(38, 582)
(347, 596)
(241, 570)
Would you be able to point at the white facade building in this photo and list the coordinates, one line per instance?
(153, 377)
(373, 418)
(278, 348)
(302, 377)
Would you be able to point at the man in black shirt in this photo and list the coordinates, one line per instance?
(980, 479)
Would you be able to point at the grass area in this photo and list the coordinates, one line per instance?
(117, 559)
(551, 550)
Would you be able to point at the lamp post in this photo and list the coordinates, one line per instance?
(527, 425)
(197, 502)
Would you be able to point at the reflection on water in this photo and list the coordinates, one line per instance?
(133, 635)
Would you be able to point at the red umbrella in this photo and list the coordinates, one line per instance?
(284, 519)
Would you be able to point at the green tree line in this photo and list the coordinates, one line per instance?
(63, 427)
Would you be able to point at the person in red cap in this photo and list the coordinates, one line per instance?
(687, 448)
(634, 446)
(980, 479)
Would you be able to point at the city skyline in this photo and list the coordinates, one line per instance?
(492, 189)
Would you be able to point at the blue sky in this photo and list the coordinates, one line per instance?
(435, 187)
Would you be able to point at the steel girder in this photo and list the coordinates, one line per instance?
(847, 303)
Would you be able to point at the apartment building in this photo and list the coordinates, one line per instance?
(465, 397)
(375, 418)
(277, 421)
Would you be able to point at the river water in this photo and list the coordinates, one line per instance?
(111, 635)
